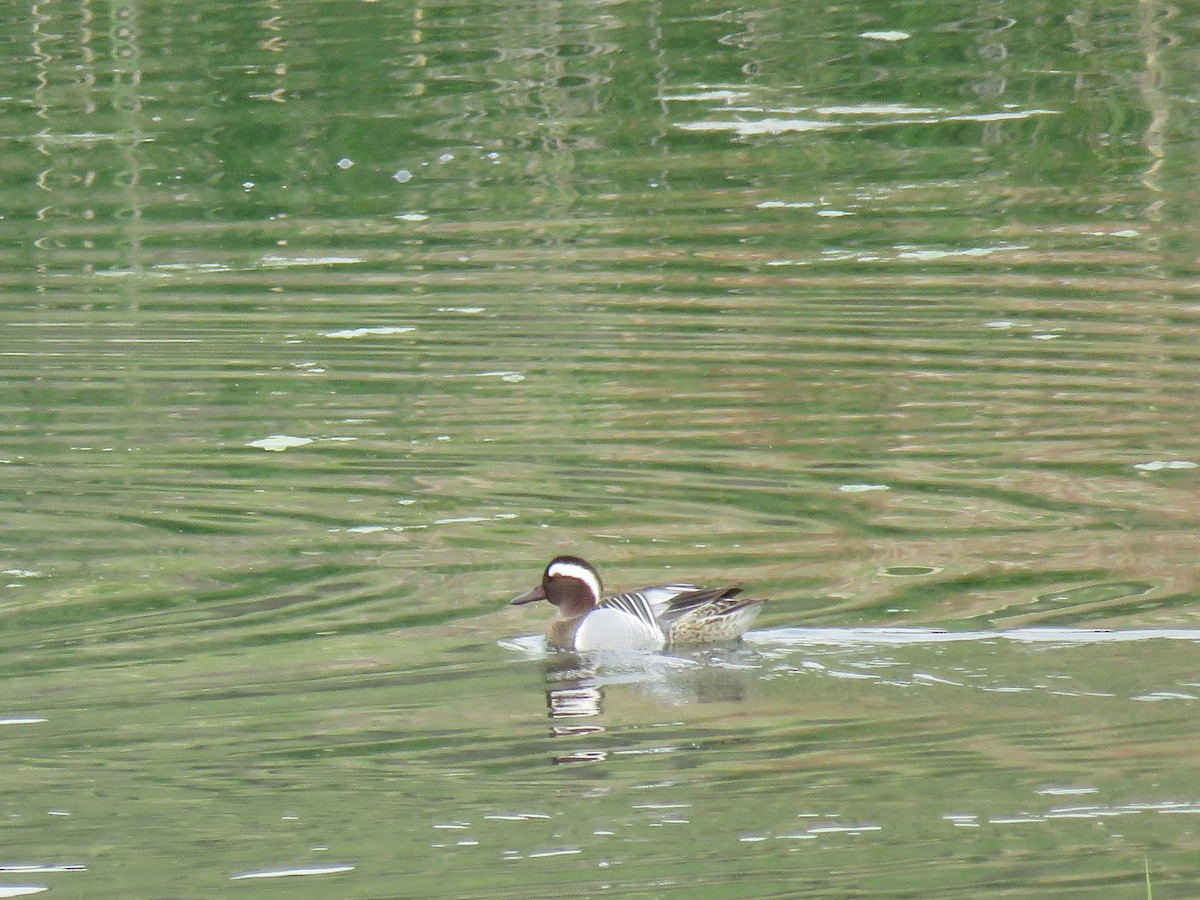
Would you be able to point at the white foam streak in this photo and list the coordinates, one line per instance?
(893, 637)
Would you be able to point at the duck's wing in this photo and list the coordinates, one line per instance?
(666, 602)
(645, 604)
(659, 597)
(694, 597)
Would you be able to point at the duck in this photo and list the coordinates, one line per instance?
(649, 618)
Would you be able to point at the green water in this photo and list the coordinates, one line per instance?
(324, 326)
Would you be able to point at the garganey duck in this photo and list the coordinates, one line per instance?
(649, 618)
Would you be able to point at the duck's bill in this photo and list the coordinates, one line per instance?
(528, 597)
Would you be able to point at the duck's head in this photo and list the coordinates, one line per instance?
(570, 583)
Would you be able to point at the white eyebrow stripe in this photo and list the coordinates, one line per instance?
(574, 570)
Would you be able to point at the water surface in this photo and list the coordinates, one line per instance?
(325, 329)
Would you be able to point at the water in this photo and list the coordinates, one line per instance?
(323, 329)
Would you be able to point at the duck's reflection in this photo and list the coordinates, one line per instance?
(576, 686)
(574, 702)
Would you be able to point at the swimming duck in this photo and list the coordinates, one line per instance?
(649, 618)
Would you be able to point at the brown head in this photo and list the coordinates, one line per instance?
(570, 583)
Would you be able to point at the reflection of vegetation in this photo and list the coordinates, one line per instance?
(559, 112)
